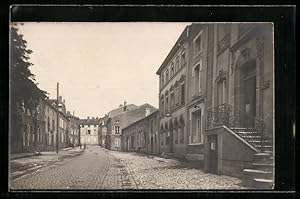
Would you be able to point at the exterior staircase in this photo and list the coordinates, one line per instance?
(261, 174)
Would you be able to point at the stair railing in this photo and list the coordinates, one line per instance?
(235, 119)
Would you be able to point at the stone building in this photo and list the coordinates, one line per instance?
(74, 130)
(142, 135)
(116, 123)
(223, 113)
(240, 103)
(63, 131)
(103, 131)
(89, 129)
(50, 126)
(173, 98)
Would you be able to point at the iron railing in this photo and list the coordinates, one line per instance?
(237, 121)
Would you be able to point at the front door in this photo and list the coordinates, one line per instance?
(250, 101)
(213, 154)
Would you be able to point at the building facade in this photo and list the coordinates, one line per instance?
(173, 98)
(74, 130)
(89, 129)
(240, 91)
(116, 123)
(103, 131)
(216, 96)
(143, 135)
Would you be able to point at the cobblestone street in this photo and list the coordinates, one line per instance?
(99, 168)
(152, 172)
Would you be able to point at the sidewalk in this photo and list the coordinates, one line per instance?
(24, 155)
(21, 164)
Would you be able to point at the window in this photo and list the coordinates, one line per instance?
(117, 130)
(182, 93)
(183, 58)
(177, 95)
(181, 133)
(198, 43)
(176, 136)
(197, 79)
(162, 104)
(162, 80)
(177, 64)
(89, 132)
(196, 127)
(167, 138)
(172, 71)
(172, 100)
(167, 75)
(167, 104)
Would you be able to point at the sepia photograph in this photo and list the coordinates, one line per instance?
(141, 106)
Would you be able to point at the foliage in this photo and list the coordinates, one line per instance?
(21, 79)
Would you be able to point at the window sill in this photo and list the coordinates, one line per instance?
(195, 144)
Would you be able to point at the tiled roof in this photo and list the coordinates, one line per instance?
(134, 115)
(120, 110)
(90, 121)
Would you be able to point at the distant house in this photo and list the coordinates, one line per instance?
(117, 122)
(142, 135)
(89, 130)
(74, 130)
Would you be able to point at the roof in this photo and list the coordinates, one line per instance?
(120, 110)
(155, 112)
(89, 121)
(174, 49)
(134, 115)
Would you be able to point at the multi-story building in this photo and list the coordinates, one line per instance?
(116, 123)
(89, 129)
(216, 95)
(103, 131)
(50, 127)
(142, 135)
(240, 103)
(63, 131)
(173, 98)
(74, 130)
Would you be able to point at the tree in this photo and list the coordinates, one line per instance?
(24, 93)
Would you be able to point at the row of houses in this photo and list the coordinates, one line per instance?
(46, 126)
(216, 104)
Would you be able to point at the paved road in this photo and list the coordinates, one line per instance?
(94, 169)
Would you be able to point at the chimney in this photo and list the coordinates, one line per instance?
(147, 111)
(125, 106)
(93, 118)
(64, 101)
(59, 99)
(88, 117)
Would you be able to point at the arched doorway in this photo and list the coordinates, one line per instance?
(245, 95)
(248, 91)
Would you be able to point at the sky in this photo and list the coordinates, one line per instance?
(99, 65)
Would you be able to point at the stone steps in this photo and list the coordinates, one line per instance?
(260, 176)
(260, 183)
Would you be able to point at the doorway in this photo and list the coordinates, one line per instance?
(213, 154)
(249, 93)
